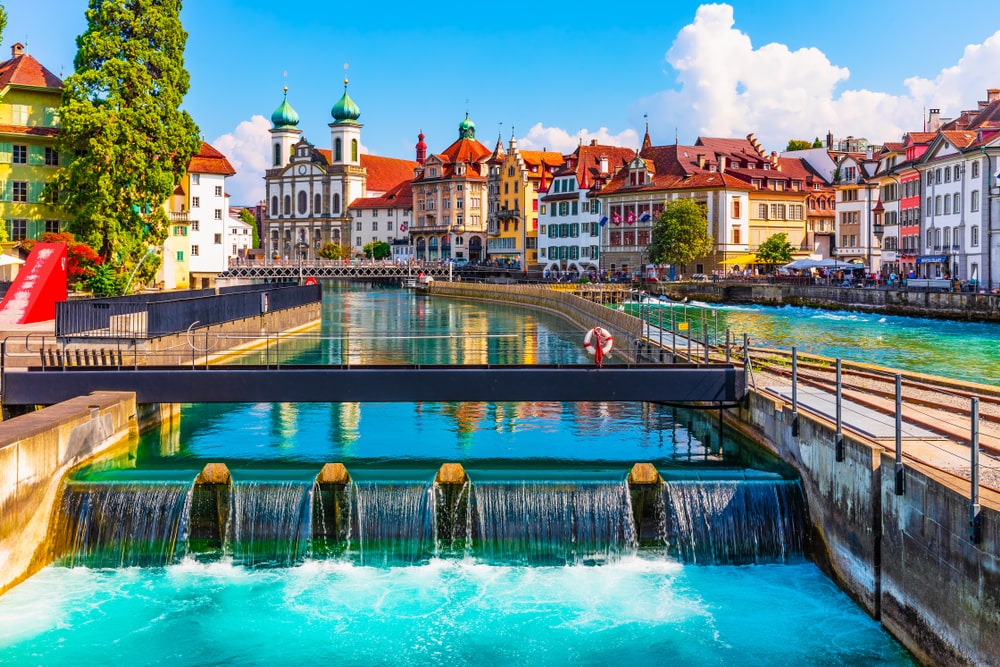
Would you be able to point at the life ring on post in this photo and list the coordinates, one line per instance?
(598, 342)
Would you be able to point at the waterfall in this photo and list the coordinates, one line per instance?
(395, 523)
(270, 523)
(122, 525)
(734, 522)
(552, 523)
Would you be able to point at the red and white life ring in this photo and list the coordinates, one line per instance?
(604, 340)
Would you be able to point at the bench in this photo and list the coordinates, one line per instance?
(928, 283)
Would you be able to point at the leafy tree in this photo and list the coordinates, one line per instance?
(106, 282)
(775, 250)
(121, 121)
(797, 145)
(247, 217)
(377, 250)
(332, 251)
(817, 143)
(3, 21)
(680, 234)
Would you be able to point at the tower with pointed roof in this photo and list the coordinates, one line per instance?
(284, 133)
(29, 102)
(310, 190)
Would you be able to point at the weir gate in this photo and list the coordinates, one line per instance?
(673, 383)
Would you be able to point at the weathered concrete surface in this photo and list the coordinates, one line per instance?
(907, 560)
(36, 452)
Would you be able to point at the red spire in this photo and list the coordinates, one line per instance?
(542, 185)
(421, 148)
(584, 181)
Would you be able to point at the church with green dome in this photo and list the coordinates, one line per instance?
(316, 196)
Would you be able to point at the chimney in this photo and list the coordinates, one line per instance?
(701, 160)
(721, 161)
(829, 139)
(604, 164)
(17, 50)
(933, 120)
(593, 142)
(992, 95)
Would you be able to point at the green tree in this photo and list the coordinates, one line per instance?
(797, 145)
(3, 21)
(680, 234)
(817, 143)
(775, 250)
(121, 121)
(377, 250)
(247, 217)
(332, 251)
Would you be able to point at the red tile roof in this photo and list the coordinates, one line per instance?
(24, 70)
(535, 158)
(465, 150)
(400, 196)
(385, 173)
(958, 138)
(920, 137)
(210, 161)
(676, 168)
(30, 131)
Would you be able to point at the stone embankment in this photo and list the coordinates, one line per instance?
(36, 452)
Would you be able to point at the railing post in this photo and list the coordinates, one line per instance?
(795, 392)
(975, 519)
(746, 370)
(706, 346)
(840, 421)
(728, 354)
(900, 478)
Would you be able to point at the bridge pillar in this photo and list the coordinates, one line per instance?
(452, 488)
(648, 511)
(331, 513)
(209, 514)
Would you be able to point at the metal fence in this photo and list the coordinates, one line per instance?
(161, 314)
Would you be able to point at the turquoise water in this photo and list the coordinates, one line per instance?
(484, 607)
(445, 612)
(956, 349)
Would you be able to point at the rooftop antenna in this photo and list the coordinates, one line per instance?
(677, 136)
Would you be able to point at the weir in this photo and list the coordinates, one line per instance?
(521, 522)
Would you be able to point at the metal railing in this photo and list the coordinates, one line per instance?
(161, 314)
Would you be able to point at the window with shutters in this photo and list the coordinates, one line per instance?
(19, 154)
(51, 157)
(19, 192)
(18, 229)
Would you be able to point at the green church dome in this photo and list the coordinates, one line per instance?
(284, 115)
(345, 110)
(467, 129)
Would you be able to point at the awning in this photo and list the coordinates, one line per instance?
(7, 260)
(740, 259)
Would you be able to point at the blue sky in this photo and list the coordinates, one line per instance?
(782, 69)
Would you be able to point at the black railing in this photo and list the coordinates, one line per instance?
(161, 314)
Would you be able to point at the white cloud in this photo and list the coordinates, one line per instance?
(728, 88)
(558, 139)
(248, 148)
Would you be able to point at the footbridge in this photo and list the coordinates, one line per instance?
(681, 383)
(326, 269)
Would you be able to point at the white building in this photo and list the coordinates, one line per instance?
(310, 190)
(386, 218)
(208, 215)
(857, 198)
(238, 239)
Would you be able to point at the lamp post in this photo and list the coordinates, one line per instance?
(868, 233)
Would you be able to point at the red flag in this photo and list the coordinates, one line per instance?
(615, 218)
(630, 217)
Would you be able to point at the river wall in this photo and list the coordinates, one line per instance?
(581, 312)
(908, 559)
(36, 452)
(946, 305)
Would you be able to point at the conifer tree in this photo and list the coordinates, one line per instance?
(121, 122)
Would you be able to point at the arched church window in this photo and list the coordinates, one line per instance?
(303, 202)
(274, 205)
(288, 205)
(336, 204)
(354, 150)
(317, 204)
(277, 155)
(337, 151)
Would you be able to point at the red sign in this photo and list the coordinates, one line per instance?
(311, 281)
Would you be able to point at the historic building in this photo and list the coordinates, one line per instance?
(309, 190)
(386, 218)
(29, 120)
(208, 214)
(450, 200)
(569, 228)
(522, 173)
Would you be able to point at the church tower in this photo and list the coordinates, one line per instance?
(284, 135)
(347, 176)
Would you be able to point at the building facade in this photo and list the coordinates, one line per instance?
(309, 190)
(208, 215)
(450, 200)
(30, 96)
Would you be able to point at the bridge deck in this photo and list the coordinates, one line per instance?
(249, 384)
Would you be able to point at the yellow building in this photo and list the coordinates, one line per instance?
(29, 120)
(522, 174)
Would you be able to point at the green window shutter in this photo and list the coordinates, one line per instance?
(35, 192)
(574, 207)
(35, 228)
(552, 210)
(64, 159)
(6, 153)
(6, 191)
(180, 255)
(552, 231)
(36, 155)
(594, 252)
(51, 116)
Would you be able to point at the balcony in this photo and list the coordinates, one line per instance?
(180, 217)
